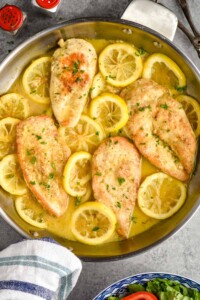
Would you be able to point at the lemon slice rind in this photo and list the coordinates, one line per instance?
(192, 110)
(119, 64)
(32, 214)
(36, 79)
(150, 201)
(110, 111)
(93, 223)
(11, 178)
(74, 185)
(170, 64)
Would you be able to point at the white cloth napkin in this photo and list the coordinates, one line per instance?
(37, 269)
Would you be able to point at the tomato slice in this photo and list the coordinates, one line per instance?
(143, 295)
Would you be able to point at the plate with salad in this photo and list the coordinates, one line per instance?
(152, 286)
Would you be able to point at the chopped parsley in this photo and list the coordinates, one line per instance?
(133, 219)
(51, 175)
(46, 185)
(91, 89)
(110, 76)
(121, 180)
(33, 160)
(119, 131)
(77, 201)
(75, 67)
(28, 152)
(53, 165)
(32, 182)
(176, 159)
(78, 79)
(164, 106)
(144, 107)
(181, 89)
(140, 52)
(98, 174)
(118, 204)
(96, 228)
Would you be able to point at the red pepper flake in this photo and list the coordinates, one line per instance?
(48, 4)
(73, 74)
(11, 18)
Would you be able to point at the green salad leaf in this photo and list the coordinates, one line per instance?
(164, 289)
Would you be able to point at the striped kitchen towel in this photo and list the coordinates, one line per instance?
(37, 269)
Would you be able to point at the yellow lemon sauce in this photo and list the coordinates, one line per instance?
(140, 221)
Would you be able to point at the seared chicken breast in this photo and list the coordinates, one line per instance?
(42, 158)
(116, 172)
(72, 72)
(160, 128)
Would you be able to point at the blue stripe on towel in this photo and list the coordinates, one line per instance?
(27, 288)
(47, 239)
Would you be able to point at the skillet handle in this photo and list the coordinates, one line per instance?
(152, 15)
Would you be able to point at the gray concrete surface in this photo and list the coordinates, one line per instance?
(179, 254)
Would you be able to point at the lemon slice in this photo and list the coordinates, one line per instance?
(110, 111)
(36, 80)
(31, 211)
(11, 177)
(85, 136)
(164, 71)
(77, 173)
(14, 105)
(93, 223)
(7, 135)
(192, 110)
(119, 64)
(160, 196)
(100, 85)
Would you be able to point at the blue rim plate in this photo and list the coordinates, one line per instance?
(119, 288)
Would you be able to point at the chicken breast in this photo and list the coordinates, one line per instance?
(160, 128)
(72, 72)
(42, 158)
(116, 173)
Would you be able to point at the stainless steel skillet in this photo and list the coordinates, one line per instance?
(141, 36)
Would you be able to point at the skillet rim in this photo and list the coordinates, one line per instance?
(58, 26)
